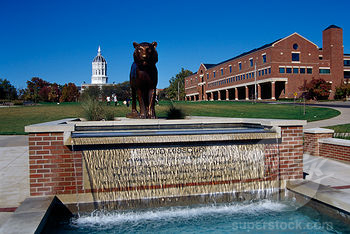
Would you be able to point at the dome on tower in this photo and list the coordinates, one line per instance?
(99, 57)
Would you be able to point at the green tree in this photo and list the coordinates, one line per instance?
(176, 89)
(122, 90)
(7, 90)
(93, 92)
(108, 90)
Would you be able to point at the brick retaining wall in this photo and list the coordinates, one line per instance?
(56, 169)
(319, 142)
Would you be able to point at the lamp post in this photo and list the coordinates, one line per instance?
(255, 96)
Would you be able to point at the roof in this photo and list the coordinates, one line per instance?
(241, 55)
(99, 58)
(332, 26)
(209, 65)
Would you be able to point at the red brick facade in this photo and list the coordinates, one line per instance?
(280, 69)
(55, 168)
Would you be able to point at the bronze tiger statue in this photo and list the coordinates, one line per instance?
(143, 80)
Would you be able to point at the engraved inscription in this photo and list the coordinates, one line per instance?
(135, 167)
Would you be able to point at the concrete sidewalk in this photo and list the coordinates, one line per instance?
(14, 171)
(343, 118)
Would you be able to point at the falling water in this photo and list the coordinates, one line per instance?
(183, 170)
(76, 180)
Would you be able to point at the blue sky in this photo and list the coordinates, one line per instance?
(57, 40)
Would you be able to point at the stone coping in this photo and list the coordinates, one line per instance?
(68, 125)
(62, 125)
(33, 215)
(335, 141)
(325, 194)
(318, 130)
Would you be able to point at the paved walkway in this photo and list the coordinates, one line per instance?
(14, 171)
(343, 118)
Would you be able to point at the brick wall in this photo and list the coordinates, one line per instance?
(311, 145)
(291, 153)
(51, 165)
(56, 169)
(332, 148)
(319, 142)
(311, 137)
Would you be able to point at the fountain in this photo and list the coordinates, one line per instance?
(113, 164)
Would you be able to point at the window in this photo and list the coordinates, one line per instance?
(295, 70)
(288, 70)
(259, 73)
(240, 66)
(250, 75)
(320, 57)
(222, 71)
(347, 63)
(264, 58)
(251, 62)
(266, 71)
(214, 74)
(295, 46)
(302, 70)
(325, 71)
(282, 70)
(253, 75)
(269, 70)
(295, 57)
(207, 76)
(309, 70)
(244, 77)
(262, 72)
(230, 69)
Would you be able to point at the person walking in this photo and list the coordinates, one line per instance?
(115, 100)
(108, 98)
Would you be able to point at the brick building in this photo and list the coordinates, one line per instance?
(277, 70)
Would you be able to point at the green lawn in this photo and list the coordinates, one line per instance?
(14, 119)
(341, 128)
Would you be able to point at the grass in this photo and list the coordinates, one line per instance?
(341, 128)
(13, 119)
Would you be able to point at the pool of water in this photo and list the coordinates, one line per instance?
(265, 216)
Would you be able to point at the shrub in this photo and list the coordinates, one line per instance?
(342, 92)
(95, 111)
(109, 113)
(175, 113)
(18, 102)
(317, 89)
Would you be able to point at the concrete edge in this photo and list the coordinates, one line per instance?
(325, 194)
(318, 130)
(68, 125)
(61, 125)
(335, 141)
(34, 215)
